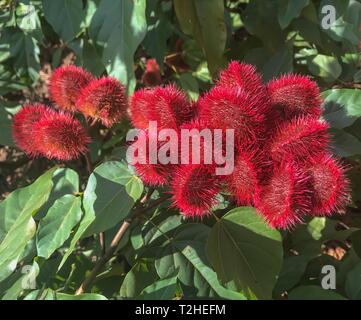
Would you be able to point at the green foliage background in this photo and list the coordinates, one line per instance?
(50, 228)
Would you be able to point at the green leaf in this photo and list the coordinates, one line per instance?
(85, 222)
(118, 27)
(353, 283)
(291, 273)
(159, 30)
(189, 83)
(27, 18)
(346, 26)
(342, 107)
(260, 20)
(308, 238)
(110, 194)
(280, 63)
(164, 289)
(185, 253)
(289, 10)
(65, 181)
(65, 16)
(23, 283)
(17, 225)
(26, 54)
(57, 225)
(84, 296)
(140, 276)
(345, 144)
(326, 67)
(244, 250)
(204, 20)
(313, 293)
(46, 294)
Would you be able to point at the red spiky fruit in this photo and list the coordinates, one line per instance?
(331, 188)
(232, 108)
(295, 95)
(60, 136)
(245, 76)
(139, 108)
(65, 85)
(245, 181)
(168, 106)
(200, 145)
(104, 99)
(286, 197)
(151, 76)
(153, 174)
(194, 190)
(299, 139)
(23, 126)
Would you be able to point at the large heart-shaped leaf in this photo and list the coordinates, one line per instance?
(17, 225)
(246, 252)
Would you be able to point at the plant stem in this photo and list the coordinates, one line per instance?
(109, 253)
(89, 163)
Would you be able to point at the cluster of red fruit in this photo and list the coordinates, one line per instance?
(42, 131)
(283, 164)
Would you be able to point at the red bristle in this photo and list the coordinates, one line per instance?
(194, 190)
(245, 181)
(232, 108)
(60, 136)
(170, 107)
(295, 95)
(245, 76)
(139, 108)
(65, 85)
(299, 139)
(286, 197)
(156, 174)
(104, 99)
(331, 188)
(23, 126)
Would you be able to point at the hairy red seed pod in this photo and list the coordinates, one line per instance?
(232, 108)
(299, 139)
(104, 99)
(151, 76)
(153, 174)
(139, 108)
(245, 181)
(246, 77)
(331, 188)
(200, 145)
(295, 95)
(194, 190)
(23, 126)
(65, 85)
(168, 106)
(60, 136)
(286, 198)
